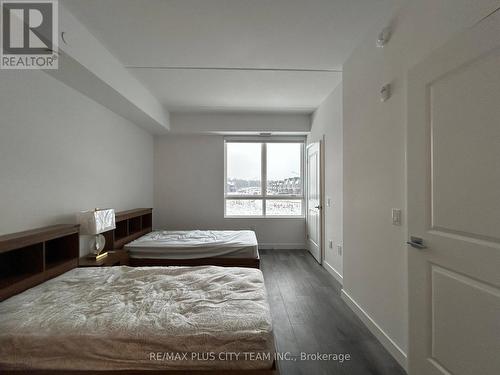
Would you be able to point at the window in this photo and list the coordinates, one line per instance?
(264, 179)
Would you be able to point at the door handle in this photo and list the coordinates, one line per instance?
(318, 207)
(417, 243)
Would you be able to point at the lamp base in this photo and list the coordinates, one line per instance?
(98, 256)
(97, 247)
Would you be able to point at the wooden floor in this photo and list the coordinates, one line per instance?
(309, 316)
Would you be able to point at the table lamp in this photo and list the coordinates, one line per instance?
(94, 223)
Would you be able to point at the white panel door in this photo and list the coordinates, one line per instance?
(453, 169)
(314, 235)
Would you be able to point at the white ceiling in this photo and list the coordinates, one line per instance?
(255, 39)
(184, 90)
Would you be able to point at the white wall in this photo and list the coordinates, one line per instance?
(61, 152)
(375, 274)
(327, 123)
(189, 192)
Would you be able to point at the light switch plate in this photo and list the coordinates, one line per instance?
(396, 216)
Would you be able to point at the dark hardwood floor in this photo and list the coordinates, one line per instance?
(309, 316)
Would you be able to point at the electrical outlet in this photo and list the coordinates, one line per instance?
(330, 244)
(339, 250)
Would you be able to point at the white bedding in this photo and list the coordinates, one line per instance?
(114, 318)
(195, 244)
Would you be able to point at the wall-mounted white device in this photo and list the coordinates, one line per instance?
(384, 37)
(385, 92)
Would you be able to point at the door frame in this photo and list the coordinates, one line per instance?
(322, 241)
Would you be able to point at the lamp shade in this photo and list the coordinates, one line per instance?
(96, 221)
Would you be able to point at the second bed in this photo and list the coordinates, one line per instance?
(194, 248)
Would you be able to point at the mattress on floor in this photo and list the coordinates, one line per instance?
(124, 318)
(195, 244)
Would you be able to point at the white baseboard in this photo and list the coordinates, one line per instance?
(332, 271)
(282, 246)
(391, 346)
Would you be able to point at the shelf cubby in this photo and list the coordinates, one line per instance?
(134, 225)
(147, 221)
(121, 230)
(61, 250)
(21, 263)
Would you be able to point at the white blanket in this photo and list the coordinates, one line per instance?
(194, 244)
(115, 318)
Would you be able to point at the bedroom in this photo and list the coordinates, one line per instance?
(149, 97)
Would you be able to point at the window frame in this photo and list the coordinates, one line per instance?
(264, 197)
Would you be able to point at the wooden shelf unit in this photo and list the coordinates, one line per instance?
(130, 225)
(31, 257)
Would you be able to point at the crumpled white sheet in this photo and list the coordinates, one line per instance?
(114, 318)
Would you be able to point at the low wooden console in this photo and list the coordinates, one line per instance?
(31, 257)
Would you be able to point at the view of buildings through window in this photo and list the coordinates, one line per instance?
(264, 179)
